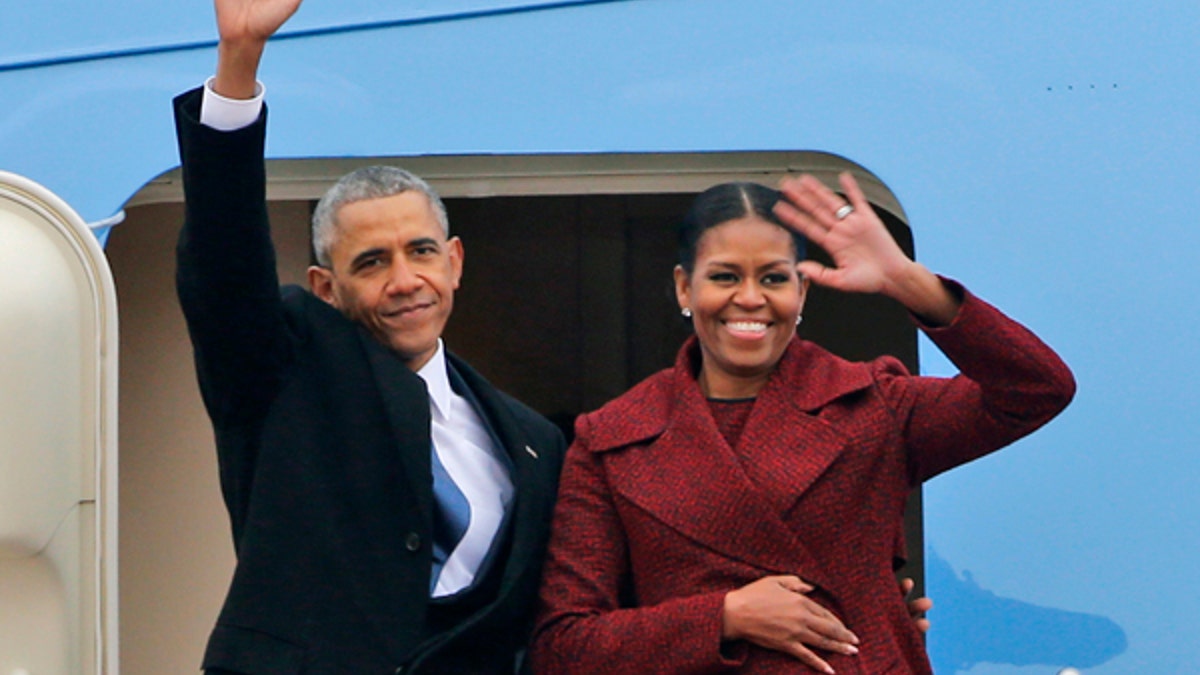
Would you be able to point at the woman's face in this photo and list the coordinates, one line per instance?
(745, 295)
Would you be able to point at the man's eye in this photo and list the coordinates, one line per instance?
(369, 263)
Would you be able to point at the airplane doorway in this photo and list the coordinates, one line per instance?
(566, 302)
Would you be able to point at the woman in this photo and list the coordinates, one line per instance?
(740, 511)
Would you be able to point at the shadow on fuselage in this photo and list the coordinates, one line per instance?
(973, 625)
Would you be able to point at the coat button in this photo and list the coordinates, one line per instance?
(412, 542)
(399, 669)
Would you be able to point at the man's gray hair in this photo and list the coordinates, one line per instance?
(369, 182)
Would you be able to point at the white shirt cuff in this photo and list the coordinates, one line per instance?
(229, 114)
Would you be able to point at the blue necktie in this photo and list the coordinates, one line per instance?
(451, 514)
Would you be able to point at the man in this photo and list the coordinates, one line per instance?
(389, 507)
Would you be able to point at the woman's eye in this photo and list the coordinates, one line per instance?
(722, 277)
(775, 279)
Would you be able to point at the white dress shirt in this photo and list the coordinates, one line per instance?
(229, 114)
(465, 448)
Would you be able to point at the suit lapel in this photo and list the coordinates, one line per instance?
(501, 454)
(459, 384)
(378, 586)
(531, 490)
(406, 402)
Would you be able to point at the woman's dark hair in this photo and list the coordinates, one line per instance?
(723, 203)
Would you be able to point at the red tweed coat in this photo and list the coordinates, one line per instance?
(658, 518)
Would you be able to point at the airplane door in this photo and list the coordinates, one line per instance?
(58, 440)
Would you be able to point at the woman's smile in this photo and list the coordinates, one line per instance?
(744, 295)
(747, 329)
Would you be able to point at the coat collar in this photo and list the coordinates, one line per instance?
(807, 378)
(669, 439)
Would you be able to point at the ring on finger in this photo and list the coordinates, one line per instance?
(843, 211)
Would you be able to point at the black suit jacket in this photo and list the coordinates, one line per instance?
(323, 440)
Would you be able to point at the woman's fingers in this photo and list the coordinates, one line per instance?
(854, 194)
(794, 584)
(825, 630)
(806, 656)
(811, 195)
(801, 221)
(818, 273)
(865, 257)
(776, 613)
(815, 207)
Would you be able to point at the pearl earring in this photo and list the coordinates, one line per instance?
(686, 312)
(799, 318)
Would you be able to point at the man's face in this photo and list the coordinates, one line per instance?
(393, 270)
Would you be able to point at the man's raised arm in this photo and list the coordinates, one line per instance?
(244, 27)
